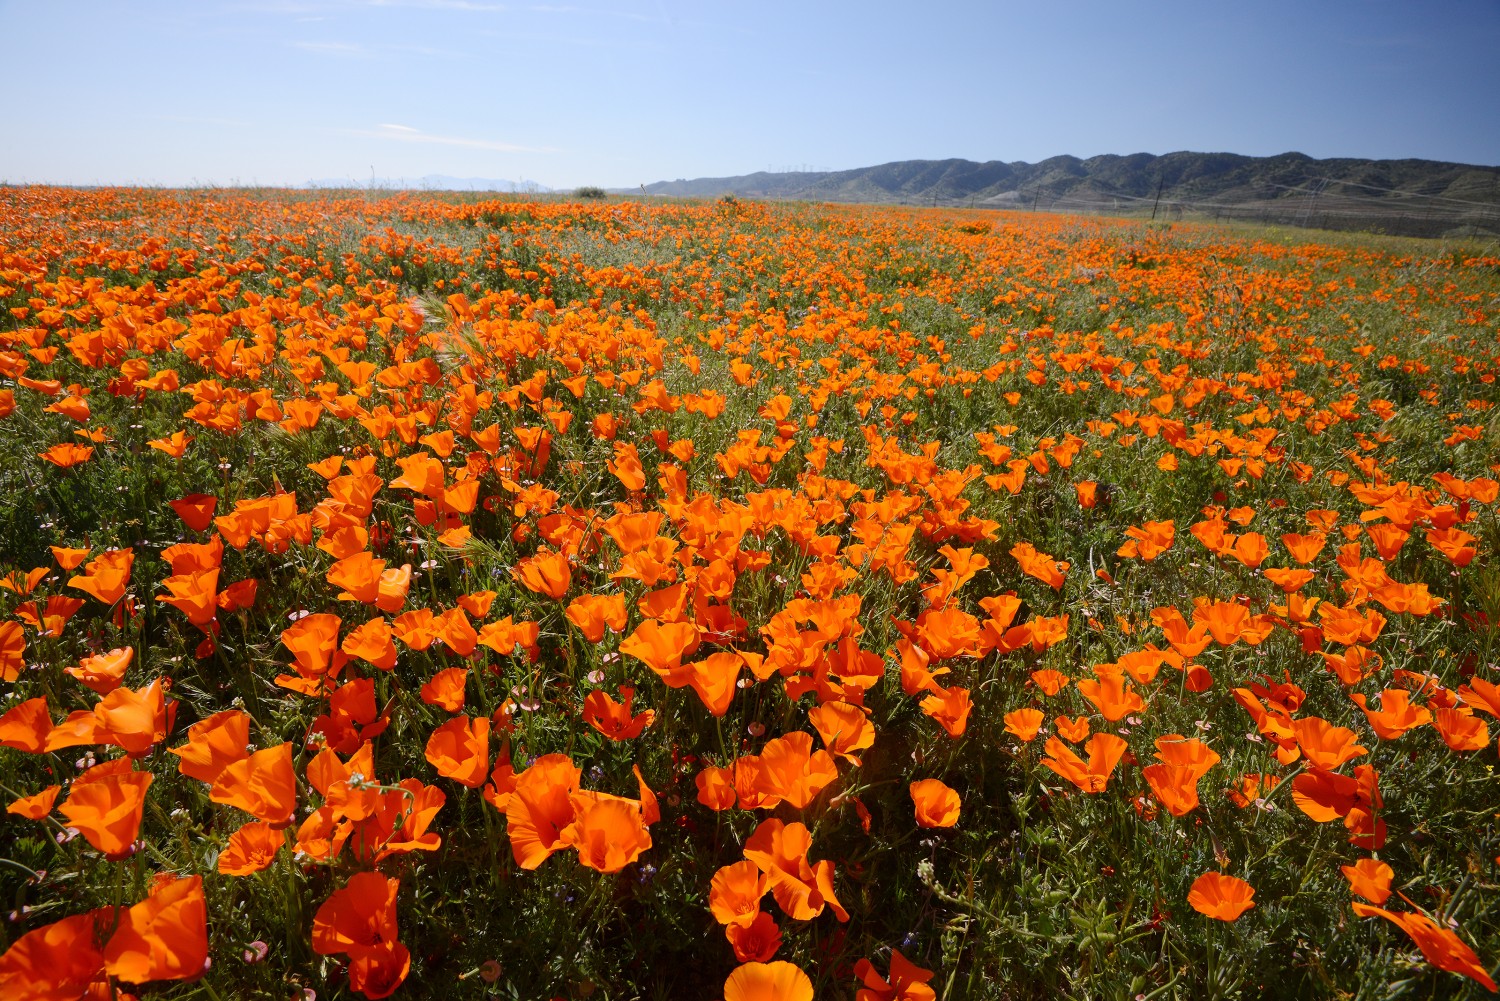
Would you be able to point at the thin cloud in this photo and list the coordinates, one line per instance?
(405, 133)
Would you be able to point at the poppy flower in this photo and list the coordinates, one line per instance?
(792, 772)
(313, 641)
(58, 961)
(661, 646)
(213, 744)
(715, 787)
(106, 804)
(1440, 946)
(371, 642)
(1461, 732)
(778, 981)
(12, 650)
(1035, 563)
(1370, 878)
(714, 678)
(608, 831)
(1071, 730)
(446, 689)
(1111, 693)
(546, 573)
(540, 808)
(1149, 540)
(164, 937)
(593, 613)
(908, 981)
(35, 806)
(104, 672)
(1221, 897)
(1104, 750)
(614, 719)
(801, 888)
(460, 750)
(735, 892)
(194, 594)
(1324, 744)
(360, 921)
(936, 804)
(950, 707)
(844, 729)
(264, 785)
(106, 577)
(26, 726)
(755, 942)
(352, 718)
(250, 849)
(195, 510)
(1023, 724)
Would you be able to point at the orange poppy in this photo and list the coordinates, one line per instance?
(1104, 750)
(614, 719)
(1071, 730)
(715, 787)
(1024, 723)
(1035, 563)
(104, 672)
(12, 650)
(546, 573)
(1461, 732)
(213, 744)
(756, 942)
(778, 981)
(1440, 946)
(593, 613)
(58, 961)
(661, 646)
(1370, 878)
(371, 642)
(195, 510)
(735, 892)
(801, 888)
(1223, 898)
(106, 804)
(792, 772)
(844, 729)
(264, 785)
(360, 921)
(446, 689)
(540, 808)
(26, 726)
(460, 750)
(950, 707)
(35, 806)
(936, 804)
(908, 981)
(609, 832)
(250, 849)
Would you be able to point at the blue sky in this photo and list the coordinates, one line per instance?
(618, 94)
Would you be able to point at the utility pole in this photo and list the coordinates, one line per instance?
(1160, 180)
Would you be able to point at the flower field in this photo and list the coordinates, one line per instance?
(423, 596)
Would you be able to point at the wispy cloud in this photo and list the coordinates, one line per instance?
(407, 134)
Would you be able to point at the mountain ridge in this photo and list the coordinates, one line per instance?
(1411, 197)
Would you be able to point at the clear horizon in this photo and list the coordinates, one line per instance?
(286, 92)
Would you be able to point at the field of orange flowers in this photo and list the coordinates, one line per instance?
(422, 596)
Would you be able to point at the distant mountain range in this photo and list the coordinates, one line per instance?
(433, 182)
(1405, 197)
